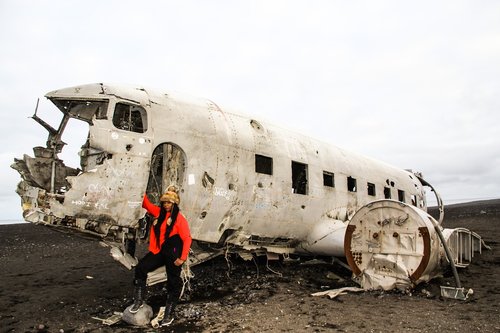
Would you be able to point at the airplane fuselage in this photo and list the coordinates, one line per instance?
(243, 182)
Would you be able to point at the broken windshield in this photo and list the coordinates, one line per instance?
(83, 110)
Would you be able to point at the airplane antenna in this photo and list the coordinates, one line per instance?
(37, 102)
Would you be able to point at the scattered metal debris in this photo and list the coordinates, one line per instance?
(115, 318)
(337, 292)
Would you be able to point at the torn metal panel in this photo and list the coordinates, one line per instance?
(44, 171)
(337, 292)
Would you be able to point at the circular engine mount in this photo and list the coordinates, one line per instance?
(389, 244)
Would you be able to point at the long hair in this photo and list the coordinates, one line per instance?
(161, 219)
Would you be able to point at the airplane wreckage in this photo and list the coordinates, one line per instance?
(247, 187)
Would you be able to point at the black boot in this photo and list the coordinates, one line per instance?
(170, 305)
(139, 292)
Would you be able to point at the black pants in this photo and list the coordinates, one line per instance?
(150, 262)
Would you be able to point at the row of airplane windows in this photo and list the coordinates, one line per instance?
(264, 165)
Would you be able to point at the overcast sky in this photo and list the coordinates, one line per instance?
(415, 84)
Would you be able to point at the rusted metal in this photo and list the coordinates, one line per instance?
(348, 253)
(424, 232)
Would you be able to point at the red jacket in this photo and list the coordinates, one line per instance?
(180, 228)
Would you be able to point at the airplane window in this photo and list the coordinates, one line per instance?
(351, 184)
(263, 164)
(414, 200)
(401, 195)
(299, 178)
(371, 189)
(387, 192)
(328, 179)
(130, 118)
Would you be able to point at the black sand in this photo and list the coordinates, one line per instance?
(56, 282)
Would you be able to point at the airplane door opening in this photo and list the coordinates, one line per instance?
(168, 165)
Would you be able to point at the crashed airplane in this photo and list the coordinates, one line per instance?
(247, 187)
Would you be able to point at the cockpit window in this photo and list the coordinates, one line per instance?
(83, 110)
(130, 118)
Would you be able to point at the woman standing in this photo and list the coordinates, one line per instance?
(169, 244)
